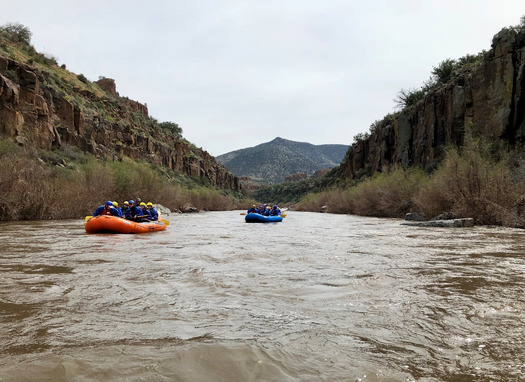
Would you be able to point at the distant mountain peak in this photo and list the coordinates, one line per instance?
(273, 161)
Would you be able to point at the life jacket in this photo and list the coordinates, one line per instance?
(154, 213)
(107, 211)
(133, 212)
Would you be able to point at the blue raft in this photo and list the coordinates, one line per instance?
(258, 218)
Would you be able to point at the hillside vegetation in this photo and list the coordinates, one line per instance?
(474, 181)
(68, 183)
(67, 144)
(273, 161)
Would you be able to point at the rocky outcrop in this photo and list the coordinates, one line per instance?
(108, 85)
(41, 116)
(450, 223)
(25, 116)
(320, 173)
(444, 219)
(415, 216)
(296, 177)
(488, 99)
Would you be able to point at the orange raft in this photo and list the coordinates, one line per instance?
(114, 224)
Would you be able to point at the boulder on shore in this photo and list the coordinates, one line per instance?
(163, 210)
(465, 222)
(444, 216)
(415, 216)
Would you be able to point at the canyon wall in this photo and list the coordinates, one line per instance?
(35, 114)
(488, 99)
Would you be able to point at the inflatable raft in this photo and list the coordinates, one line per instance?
(258, 218)
(114, 224)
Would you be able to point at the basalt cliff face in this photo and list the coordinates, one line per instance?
(36, 114)
(489, 99)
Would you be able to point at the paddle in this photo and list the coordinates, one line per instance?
(167, 223)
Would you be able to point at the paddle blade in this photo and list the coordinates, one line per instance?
(88, 217)
(167, 223)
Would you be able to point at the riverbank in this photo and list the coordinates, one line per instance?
(481, 180)
(67, 183)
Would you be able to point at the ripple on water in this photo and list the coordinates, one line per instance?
(318, 297)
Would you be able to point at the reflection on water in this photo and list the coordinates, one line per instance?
(316, 297)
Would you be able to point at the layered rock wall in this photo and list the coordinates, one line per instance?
(488, 99)
(22, 105)
(43, 118)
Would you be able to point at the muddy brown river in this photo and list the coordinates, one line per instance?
(318, 297)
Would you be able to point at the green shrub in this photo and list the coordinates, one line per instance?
(16, 32)
(409, 97)
(171, 128)
(476, 181)
(12, 75)
(334, 200)
(82, 78)
(444, 71)
(8, 148)
(387, 194)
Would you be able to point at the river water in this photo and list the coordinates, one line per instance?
(318, 297)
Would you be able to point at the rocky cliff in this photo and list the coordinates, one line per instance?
(488, 99)
(43, 109)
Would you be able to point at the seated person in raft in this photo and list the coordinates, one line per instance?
(120, 214)
(275, 211)
(125, 208)
(146, 215)
(262, 208)
(107, 209)
(154, 213)
(134, 212)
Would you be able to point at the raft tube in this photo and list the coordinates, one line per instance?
(258, 218)
(114, 224)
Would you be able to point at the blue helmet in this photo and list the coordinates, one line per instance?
(109, 203)
(131, 202)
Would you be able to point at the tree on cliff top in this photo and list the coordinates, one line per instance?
(172, 128)
(443, 73)
(408, 97)
(16, 32)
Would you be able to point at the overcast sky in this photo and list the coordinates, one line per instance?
(237, 73)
